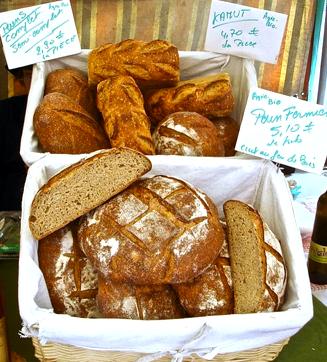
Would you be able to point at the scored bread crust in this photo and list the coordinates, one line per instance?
(159, 230)
(124, 300)
(211, 96)
(258, 267)
(83, 186)
(71, 280)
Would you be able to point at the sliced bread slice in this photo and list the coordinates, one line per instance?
(84, 186)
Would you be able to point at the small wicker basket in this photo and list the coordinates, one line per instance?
(52, 352)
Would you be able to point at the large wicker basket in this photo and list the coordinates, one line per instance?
(52, 352)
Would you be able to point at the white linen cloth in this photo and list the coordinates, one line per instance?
(257, 182)
(192, 65)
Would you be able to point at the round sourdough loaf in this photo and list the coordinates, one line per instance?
(124, 300)
(159, 230)
(211, 293)
(187, 134)
(71, 280)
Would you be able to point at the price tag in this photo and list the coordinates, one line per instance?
(285, 130)
(244, 31)
(38, 33)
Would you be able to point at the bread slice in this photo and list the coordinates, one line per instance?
(83, 186)
(247, 255)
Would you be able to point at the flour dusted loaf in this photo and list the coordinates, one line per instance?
(258, 269)
(211, 293)
(63, 126)
(187, 134)
(228, 129)
(159, 230)
(84, 186)
(211, 96)
(74, 84)
(71, 280)
(151, 64)
(121, 103)
(124, 300)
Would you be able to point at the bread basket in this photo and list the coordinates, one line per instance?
(245, 337)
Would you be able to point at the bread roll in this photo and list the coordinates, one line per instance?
(211, 293)
(74, 84)
(187, 134)
(160, 230)
(123, 300)
(82, 187)
(71, 280)
(258, 268)
(153, 64)
(211, 97)
(126, 124)
(63, 126)
(228, 129)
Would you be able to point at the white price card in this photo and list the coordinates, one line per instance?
(38, 33)
(245, 31)
(284, 129)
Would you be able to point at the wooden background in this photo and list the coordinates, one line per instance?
(184, 23)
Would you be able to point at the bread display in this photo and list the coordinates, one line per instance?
(158, 231)
(258, 269)
(82, 187)
(228, 129)
(121, 103)
(74, 84)
(211, 293)
(211, 96)
(122, 300)
(151, 64)
(63, 126)
(71, 280)
(187, 134)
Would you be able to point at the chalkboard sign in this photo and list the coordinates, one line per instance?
(38, 33)
(244, 31)
(284, 129)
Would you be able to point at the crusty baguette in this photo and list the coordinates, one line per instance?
(83, 186)
(152, 64)
(63, 126)
(210, 96)
(258, 268)
(121, 103)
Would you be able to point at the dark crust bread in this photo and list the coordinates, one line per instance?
(228, 129)
(159, 230)
(83, 186)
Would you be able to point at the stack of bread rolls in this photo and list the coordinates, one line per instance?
(116, 243)
(133, 96)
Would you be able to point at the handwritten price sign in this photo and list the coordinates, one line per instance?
(244, 31)
(285, 130)
(38, 33)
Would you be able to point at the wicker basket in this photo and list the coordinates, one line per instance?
(52, 352)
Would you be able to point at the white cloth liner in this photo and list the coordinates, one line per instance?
(254, 181)
(192, 65)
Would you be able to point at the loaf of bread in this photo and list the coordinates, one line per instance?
(74, 84)
(187, 134)
(159, 230)
(124, 300)
(121, 103)
(228, 129)
(258, 268)
(210, 96)
(63, 126)
(151, 64)
(71, 280)
(211, 293)
(84, 186)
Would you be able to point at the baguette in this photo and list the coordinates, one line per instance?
(84, 186)
(153, 64)
(210, 96)
(125, 121)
